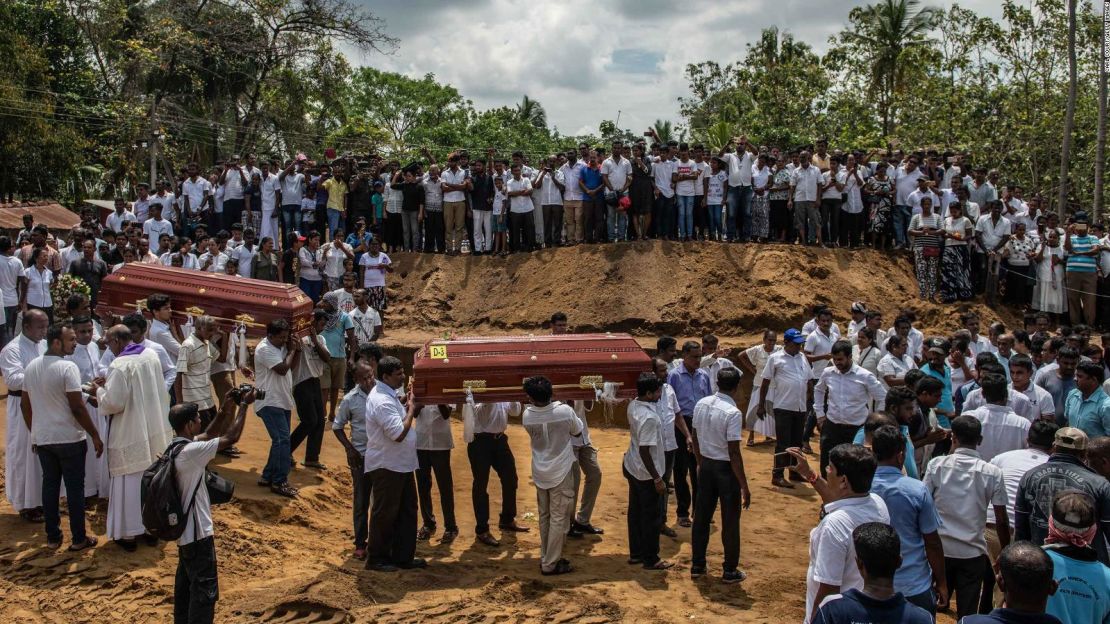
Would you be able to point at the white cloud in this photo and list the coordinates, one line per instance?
(561, 53)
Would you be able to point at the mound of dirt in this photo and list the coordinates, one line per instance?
(653, 288)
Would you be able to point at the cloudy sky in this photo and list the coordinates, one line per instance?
(588, 60)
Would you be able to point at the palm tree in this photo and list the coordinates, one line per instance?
(664, 130)
(1069, 114)
(1100, 142)
(890, 29)
(532, 112)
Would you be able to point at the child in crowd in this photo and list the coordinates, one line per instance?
(308, 207)
(500, 207)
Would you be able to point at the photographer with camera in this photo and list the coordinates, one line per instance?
(196, 588)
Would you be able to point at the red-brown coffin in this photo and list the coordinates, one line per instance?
(228, 298)
(494, 369)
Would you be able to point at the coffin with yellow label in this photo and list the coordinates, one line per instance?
(494, 369)
(230, 299)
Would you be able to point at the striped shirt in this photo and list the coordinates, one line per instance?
(1078, 263)
(194, 363)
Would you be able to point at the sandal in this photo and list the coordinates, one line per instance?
(425, 533)
(660, 565)
(360, 554)
(284, 489)
(685, 522)
(88, 543)
(449, 536)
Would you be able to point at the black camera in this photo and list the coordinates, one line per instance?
(237, 393)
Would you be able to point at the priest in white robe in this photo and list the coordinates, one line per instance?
(135, 398)
(86, 355)
(22, 470)
(138, 325)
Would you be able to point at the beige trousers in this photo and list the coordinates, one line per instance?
(556, 505)
(454, 223)
(572, 220)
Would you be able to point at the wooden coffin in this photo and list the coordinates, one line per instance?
(494, 369)
(229, 299)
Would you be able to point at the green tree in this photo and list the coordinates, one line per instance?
(532, 112)
(885, 37)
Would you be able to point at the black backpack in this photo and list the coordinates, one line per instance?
(160, 498)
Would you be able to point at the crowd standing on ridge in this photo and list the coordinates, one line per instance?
(941, 458)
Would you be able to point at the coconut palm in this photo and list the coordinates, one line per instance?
(890, 29)
(664, 130)
(532, 112)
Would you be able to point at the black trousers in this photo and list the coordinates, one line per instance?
(63, 462)
(435, 236)
(485, 452)
(522, 231)
(830, 219)
(833, 434)
(310, 411)
(851, 225)
(716, 482)
(392, 518)
(685, 467)
(644, 520)
(552, 225)
(965, 582)
(360, 485)
(196, 587)
(594, 213)
(788, 433)
(440, 463)
(233, 213)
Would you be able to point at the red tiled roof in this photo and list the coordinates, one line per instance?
(51, 214)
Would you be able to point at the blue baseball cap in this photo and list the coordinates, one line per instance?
(793, 335)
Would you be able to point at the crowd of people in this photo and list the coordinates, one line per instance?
(940, 456)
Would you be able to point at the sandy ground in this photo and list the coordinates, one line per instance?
(289, 560)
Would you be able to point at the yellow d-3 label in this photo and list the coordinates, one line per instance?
(438, 352)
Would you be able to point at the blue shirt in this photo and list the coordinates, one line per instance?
(913, 515)
(945, 404)
(336, 337)
(1082, 264)
(910, 465)
(857, 607)
(592, 178)
(689, 388)
(1092, 414)
(1084, 592)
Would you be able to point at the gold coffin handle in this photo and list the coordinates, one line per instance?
(478, 386)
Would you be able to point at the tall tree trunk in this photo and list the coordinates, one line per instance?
(1069, 115)
(1100, 145)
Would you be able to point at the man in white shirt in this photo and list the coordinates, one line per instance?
(54, 410)
(663, 210)
(156, 226)
(550, 427)
(805, 182)
(1021, 378)
(963, 487)
(391, 463)
(1003, 430)
(572, 198)
(274, 359)
(789, 373)
(11, 269)
(212, 260)
(718, 429)
(291, 181)
(847, 503)
(120, 216)
(455, 182)
(992, 230)
(196, 588)
(164, 196)
(714, 359)
(738, 216)
(616, 173)
(905, 182)
(643, 466)
(489, 449)
(196, 193)
(850, 391)
(924, 190)
(162, 329)
(23, 472)
(522, 226)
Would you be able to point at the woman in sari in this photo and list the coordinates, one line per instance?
(955, 263)
(880, 189)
